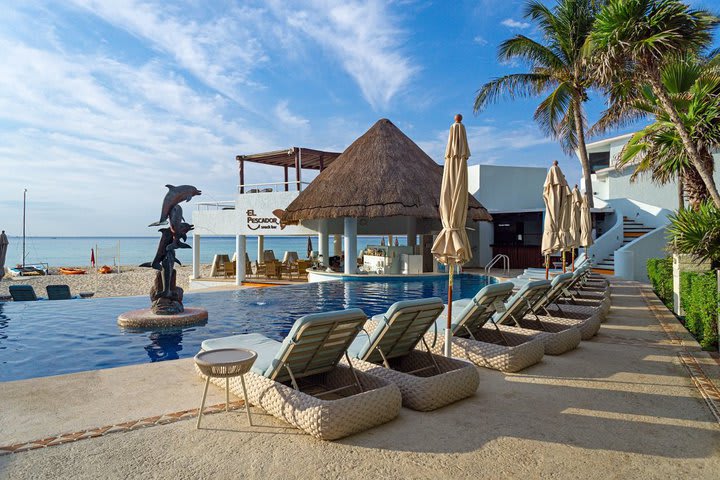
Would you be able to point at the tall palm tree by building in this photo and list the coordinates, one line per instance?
(632, 42)
(693, 86)
(557, 69)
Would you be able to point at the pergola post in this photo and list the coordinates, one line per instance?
(350, 245)
(241, 167)
(337, 245)
(196, 256)
(323, 247)
(412, 232)
(261, 249)
(240, 244)
(287, 179)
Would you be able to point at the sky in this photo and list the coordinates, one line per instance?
(103, 102)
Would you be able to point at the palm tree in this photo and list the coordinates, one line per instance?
(557, 68)
(693, 85)
(632, 42)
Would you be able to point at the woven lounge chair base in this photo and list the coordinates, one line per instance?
(427, 389)
(588, 326)
(592, 294)
(488, 352)
(602, 306)
(558, 338)
(328, 418)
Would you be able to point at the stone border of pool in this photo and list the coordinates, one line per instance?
(116, 428)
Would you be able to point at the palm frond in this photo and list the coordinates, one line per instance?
(513, 86)
(524, 48)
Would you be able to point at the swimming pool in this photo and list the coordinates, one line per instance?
(40, 339)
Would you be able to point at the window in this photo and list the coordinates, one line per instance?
(599, 161)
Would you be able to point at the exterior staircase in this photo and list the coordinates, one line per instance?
(632, 230)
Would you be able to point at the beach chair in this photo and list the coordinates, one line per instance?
(586, 318)
(584, 293)
(574, 293)
(559, 337)
(489, 346)
(387, 349)
(302, 267)
(58, 292)
(229, 268)
(301, 381)
(22, 293)
(273, 269)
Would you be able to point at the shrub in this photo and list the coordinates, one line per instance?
(699, 293)
(660, 274)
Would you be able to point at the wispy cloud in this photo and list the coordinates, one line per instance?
(480, 40)
(364, 37)
(285, 116)
(488, 142)
(515, 24)
(220, 52)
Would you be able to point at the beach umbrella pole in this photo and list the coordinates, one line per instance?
(448, 332)
(563, 260)
(572, 256)
(547, 267)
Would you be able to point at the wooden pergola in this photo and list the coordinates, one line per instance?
(296, 157)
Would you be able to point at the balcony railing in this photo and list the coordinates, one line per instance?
(271, 187)
(224, 205)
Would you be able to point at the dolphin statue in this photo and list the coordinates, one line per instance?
(166, 240)
(175, 195)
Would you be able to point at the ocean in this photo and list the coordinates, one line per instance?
(75, 251)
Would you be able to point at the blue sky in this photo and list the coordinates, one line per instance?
(103, 102)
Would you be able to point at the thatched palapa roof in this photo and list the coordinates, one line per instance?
(382, 174)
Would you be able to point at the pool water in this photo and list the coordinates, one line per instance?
(45, 338)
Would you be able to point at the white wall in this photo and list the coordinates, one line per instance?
(507, 189)
(615, 183)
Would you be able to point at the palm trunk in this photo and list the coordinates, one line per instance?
(681, 191)
(689, 145)
(582, 150)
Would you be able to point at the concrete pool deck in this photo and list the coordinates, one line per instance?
(628, 403)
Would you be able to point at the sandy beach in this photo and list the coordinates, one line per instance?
(132, 280)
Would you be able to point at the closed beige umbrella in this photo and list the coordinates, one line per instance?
(585, 225)
(3, 252)
(556, 195)
(452, 246)
(575, 222)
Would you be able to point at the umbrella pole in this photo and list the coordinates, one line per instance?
(573, 259)
(547, 267)
(448, 333)
(563, 260)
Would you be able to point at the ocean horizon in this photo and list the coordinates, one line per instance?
(58, 251)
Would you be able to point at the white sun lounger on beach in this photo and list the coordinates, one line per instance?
(300, 380)
(388, 350)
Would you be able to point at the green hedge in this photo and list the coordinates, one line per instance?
(699, 298)
(660, 272)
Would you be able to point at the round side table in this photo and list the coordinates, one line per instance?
(225, 363)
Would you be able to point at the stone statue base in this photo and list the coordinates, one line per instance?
(146, 318)
(166, 303)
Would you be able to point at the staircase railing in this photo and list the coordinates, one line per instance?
(505, 263)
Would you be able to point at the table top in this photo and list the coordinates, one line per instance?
(225, 356)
